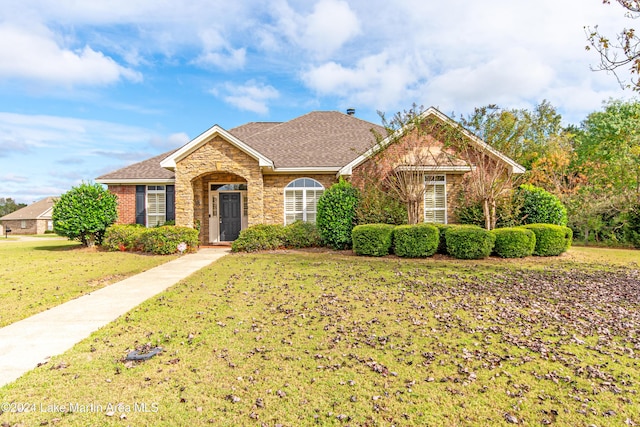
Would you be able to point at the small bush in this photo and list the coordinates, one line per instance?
(514, 242)
(259, 237)
(376, 206)
(540, 207)
(372, 239)
(337, 214)
(414, 241)
(165, 240)
(551, 239)
(469, 242)
(123, 237)
(301, 234)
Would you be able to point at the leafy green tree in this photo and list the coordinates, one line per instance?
(540, 207)
(337, 214)
(608, 147)
(8, 205)
(84, 213)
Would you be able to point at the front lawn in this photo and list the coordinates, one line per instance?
(38, 275)
(325, 338)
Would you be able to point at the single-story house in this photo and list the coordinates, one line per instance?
(32, 219)
(223, 181)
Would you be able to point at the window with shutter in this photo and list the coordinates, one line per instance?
(435, 199)
(301, 200)
(156, 205)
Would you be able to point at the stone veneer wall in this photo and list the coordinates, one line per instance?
(126, 203)
(217, 155)
(274, 193)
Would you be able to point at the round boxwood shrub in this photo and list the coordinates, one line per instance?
(469, 242)
(551, 239)
(442, 241)
(372, 239)
(259, 237)
(165, 240)
(123, 237)
(301, 234)
(414, 241)
(337, 213)
(540, 207)
(514, 242)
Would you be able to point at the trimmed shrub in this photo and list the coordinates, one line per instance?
(165, 240)
(414, 241)
(84, 213)
(259, 237)
(540, 207)
(469, 242)
(121, 237)
(514, 242)
(372, 239)
(551, 239)
(337, 213)
(301, 234)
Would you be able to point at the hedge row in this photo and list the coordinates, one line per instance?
(268, 237)
(163, 240)
(460, 241)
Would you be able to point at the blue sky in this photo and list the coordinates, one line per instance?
(87, 87)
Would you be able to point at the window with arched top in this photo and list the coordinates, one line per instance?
(301, 200)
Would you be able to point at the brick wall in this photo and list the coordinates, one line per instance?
(31, 226)
(126, 203)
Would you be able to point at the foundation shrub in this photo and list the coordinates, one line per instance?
(122, 237)
(259, 237)
(372, 239)
(469, 242)
(415, 241)
(165, 240)
(551, 239)
(514, 242)
(301, 234)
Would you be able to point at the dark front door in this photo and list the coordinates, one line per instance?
(230, 219)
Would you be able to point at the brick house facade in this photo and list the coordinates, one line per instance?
(273, 173)
(32, 219)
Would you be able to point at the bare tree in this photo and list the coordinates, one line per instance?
(412, 147)
(490, 134)
(621, 52)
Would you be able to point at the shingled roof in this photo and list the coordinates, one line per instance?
(317, 139)
(146, 170)
(38, 210)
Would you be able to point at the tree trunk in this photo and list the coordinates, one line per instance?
(413, 212)
(487, 214)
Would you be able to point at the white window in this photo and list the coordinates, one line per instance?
(156, 205)
(435, 198)
(23, 224)
(301, 200)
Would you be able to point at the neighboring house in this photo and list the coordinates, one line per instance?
(273, 173)
(32, 219)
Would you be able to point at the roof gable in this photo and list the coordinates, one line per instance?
(472, 139)
(170, 161)
(39, 210)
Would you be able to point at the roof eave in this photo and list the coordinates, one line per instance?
(131, 181)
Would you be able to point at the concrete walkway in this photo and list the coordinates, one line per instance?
(34, 340)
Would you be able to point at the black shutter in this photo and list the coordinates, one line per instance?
(141, 211)
(171, 203)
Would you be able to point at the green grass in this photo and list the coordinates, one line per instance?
(330, 339)
(38, 275)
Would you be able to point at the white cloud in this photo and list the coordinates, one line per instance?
(35, 55)
(10, 177)
(330, 26)
(251, 96)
